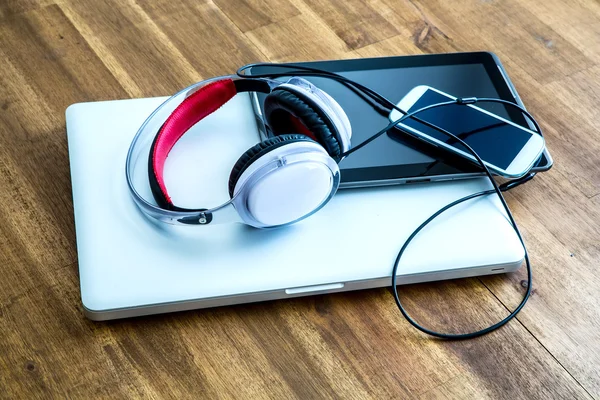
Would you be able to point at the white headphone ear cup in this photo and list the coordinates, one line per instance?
(286, 184)
(289, 193)
(257, 151)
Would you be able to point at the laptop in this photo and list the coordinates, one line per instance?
(130, 265)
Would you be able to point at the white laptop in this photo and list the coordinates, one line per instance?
(130, 265)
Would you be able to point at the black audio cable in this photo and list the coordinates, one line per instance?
(308, 71)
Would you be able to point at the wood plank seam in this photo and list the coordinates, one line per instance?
(233, 24)
(363, 349)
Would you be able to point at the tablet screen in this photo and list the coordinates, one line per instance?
(395, 155)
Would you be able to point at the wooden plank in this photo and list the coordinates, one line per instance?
(578, 120)
(251, 14)
(132, 46)
(507, 29)
(575, 21)
(426, 40)
(460, 388)
(356, 23)
(37, 214)
(332, 346)
(11, 7)
(297, 39)
(202, 33)
(425, 31)
(580, 93)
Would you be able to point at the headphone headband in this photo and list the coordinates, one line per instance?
(197, 106)
(172, 119)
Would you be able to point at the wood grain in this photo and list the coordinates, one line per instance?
(354, 345)
(248, 15)
(356, 23)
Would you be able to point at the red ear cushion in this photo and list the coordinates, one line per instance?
(200, 104)
(257, 151)
(301, 128)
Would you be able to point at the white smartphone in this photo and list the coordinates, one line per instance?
(506, 148)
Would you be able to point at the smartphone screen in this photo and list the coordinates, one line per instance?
(495, 141)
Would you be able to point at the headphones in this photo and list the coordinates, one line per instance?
(278, 181)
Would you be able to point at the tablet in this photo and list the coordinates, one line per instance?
(396, 157)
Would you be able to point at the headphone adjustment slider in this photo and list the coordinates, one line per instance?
(467, 100)
(203, 220)
(281, 161)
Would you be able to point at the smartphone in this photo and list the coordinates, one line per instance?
(506, 148)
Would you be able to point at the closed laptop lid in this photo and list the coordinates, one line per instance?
(127, 260)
